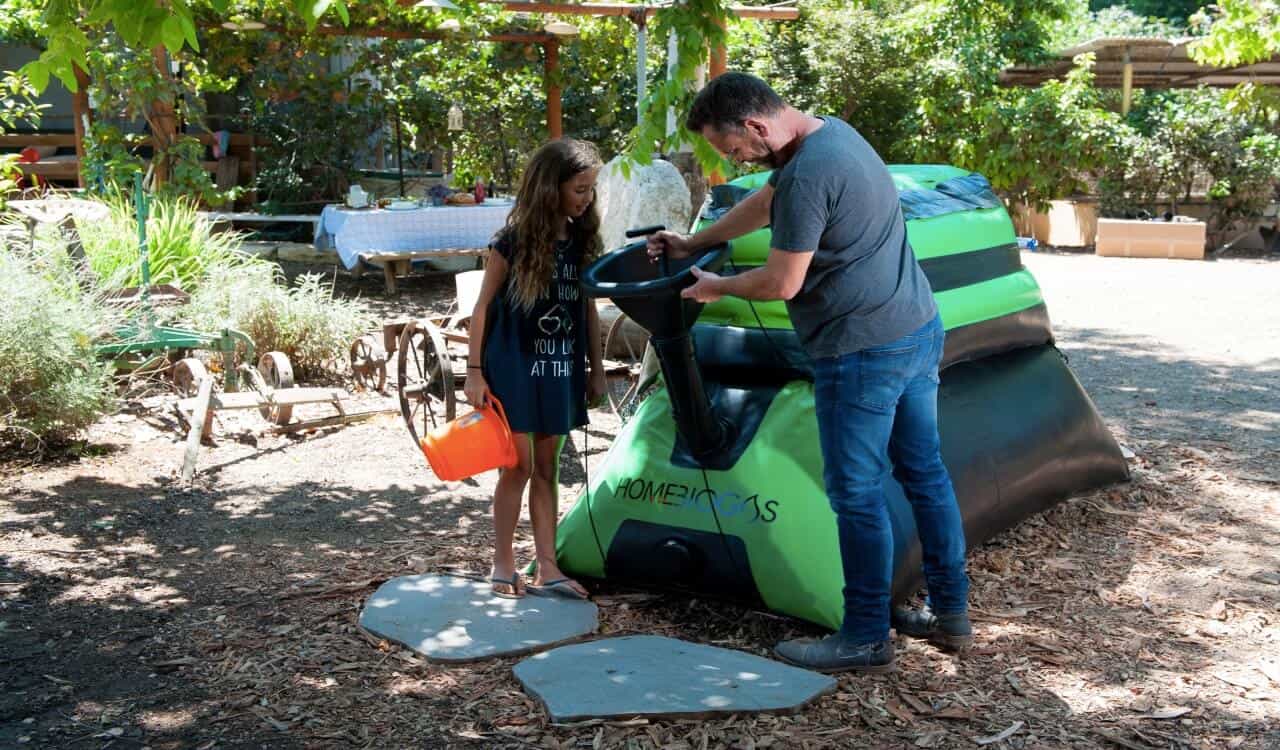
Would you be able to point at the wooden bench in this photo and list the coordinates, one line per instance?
(236, 167)
(399, 264)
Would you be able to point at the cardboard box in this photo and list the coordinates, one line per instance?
(1130, 238)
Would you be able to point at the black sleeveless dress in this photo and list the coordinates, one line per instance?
(536, 362)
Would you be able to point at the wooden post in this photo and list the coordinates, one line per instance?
(199, 425)
(163, 122)
(1126, 84)
(81, 115)
(719, 56)
(551, 71)
(717, 64)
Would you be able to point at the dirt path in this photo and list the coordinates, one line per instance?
(138, 613)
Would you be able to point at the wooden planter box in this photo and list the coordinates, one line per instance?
(1067, 223)
(1151, 239)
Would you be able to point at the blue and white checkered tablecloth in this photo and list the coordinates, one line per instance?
(355, 232)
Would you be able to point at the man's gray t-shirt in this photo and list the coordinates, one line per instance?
(863, 287)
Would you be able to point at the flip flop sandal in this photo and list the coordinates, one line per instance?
(513, 582)
(557, 588)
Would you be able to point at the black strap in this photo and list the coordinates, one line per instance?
(962, 269)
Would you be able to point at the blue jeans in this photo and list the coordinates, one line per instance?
(879, 408)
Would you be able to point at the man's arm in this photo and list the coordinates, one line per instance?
(749, 215)
(781, 277)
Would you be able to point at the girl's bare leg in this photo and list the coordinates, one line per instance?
(543, 492)
(507, 497)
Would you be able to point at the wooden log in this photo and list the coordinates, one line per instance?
(198, 419)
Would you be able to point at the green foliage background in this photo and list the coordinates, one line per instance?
(919, 79)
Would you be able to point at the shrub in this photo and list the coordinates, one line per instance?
(304, 321)
(181, 245)
(1188, 140)
(51, 384)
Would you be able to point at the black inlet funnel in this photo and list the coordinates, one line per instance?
(649, 293)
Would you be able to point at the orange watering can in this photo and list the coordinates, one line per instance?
(471, 444)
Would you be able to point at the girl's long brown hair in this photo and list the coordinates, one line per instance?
(531, 226)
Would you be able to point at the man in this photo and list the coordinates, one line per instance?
(866, 316)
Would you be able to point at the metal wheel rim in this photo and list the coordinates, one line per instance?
(187, 374)
(424, 379)
(368, 369)
(277, 371)
(621, 405)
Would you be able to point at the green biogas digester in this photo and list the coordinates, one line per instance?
(715, 485)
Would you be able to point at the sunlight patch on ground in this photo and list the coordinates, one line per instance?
(136, 590)
(166, 721)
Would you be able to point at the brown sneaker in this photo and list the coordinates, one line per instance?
(947, 632)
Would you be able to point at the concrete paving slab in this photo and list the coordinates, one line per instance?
(454, 619)
(649, 675)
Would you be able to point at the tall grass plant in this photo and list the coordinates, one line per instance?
(51, 384)
(305, 321)
(181, 245)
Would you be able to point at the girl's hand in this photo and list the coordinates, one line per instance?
(476, 389)
(597, 388)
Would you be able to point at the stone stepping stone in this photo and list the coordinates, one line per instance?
(454, 619)
(649, 675)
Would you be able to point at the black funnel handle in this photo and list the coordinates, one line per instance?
(644, 231)
(663, 265)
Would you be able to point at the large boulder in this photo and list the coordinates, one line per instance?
(654, 194)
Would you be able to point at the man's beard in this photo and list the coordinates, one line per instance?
(770, 158)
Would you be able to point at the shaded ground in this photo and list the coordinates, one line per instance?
(136, 612)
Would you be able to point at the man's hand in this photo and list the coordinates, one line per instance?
(675, 245)
(706, 288)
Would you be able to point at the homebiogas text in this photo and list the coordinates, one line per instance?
(726, 504)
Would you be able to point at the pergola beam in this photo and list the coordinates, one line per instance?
(1143, 62)
(628, 9)
(504, 37)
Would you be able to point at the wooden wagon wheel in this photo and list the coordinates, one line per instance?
(278, 373)
(369, 363)
(621, 346)
(424, 378)
(187, 374)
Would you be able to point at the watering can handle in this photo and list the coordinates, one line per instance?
(663, 265)
(497, 406)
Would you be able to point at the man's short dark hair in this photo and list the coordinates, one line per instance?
(729, 99)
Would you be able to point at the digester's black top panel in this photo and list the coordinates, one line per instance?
(965, 193)
(954, 195)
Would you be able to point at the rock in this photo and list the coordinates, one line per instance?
(648, 675)
(654, 194)
(264, 250)
(301, 252)
(453, 619)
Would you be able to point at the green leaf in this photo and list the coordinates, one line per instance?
(62, 69)
(38, 72)
(189, 31)
(172, 33)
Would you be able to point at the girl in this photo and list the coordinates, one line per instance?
(537, 332)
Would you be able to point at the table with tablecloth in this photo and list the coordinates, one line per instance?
(417, 232)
